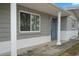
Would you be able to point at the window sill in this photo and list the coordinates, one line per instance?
(29, 31)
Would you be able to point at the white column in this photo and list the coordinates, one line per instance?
(59, 29)
(13, 16)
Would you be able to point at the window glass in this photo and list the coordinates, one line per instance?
(35, 23)
(29, 22)
(24, 21)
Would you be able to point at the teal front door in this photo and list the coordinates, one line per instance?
(54, 28)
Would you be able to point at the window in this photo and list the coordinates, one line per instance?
(74, 24)
(35, 23)
(29, 22)
(24, 21)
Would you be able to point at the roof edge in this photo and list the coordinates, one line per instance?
(63, 10)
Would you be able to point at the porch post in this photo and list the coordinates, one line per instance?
(59, 29)
(13, 29)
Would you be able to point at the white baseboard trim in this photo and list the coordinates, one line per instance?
(22, 43)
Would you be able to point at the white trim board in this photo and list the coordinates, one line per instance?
(13, 17)
(22, 43)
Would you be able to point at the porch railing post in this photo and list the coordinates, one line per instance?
(13, 29)
(59, 29)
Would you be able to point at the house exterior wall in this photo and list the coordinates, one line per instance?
(63, 23)
(45, 24)
(68, 32)
(31, 39)
(4, 28)
(24, 39)
(4, 22)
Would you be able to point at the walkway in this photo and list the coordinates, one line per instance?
(50, 49)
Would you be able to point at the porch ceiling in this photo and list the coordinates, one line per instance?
(44, 7)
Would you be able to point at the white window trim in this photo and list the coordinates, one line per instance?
(30, 23)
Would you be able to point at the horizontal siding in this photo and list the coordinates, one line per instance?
(69, 23)
(4, 30)
(4, 22)
(64, 23)
(4, 35)
(45, 24)
(4, 25)
(4, 39)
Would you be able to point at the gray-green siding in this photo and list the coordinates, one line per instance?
(63, 23)
(70, 22)
(45, 24)
(66, 23)
(4, 22)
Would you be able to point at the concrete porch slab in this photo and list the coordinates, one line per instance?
(48, 49)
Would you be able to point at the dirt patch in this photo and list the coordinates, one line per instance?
(73, 51)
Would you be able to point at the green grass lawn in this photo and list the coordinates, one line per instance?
(73, 51)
